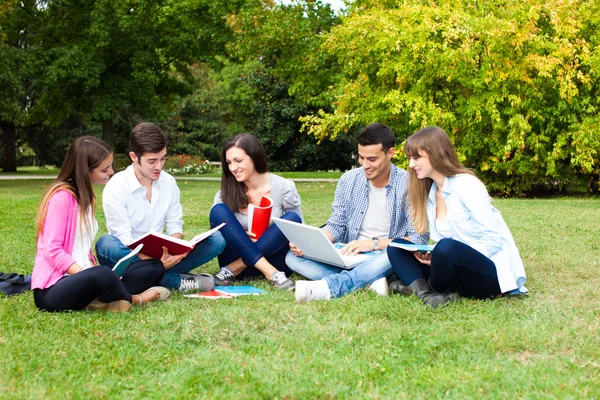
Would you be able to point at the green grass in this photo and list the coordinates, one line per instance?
(33, 170)
(545, 345)
(53, 171)
(290, 175)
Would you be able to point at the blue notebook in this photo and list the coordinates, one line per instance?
(240, 290)
(123, 264)
(421, 248)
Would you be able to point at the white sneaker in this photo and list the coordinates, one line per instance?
(380, 286)
(312, 290)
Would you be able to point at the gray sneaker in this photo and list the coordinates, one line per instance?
(280, 281)
(199, 282)
(224, 277)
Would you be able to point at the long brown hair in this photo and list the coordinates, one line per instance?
(234, 193)
(84, 154)
(434, 142)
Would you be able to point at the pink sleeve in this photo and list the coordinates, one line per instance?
(59, 234)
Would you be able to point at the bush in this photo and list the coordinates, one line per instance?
(180, 164)
(120, 162)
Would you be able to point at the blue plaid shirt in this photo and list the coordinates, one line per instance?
(352, 199)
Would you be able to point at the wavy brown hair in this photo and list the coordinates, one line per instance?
(84, 154)
(234, 193)
(434, 142)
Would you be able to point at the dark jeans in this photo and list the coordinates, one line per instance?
(455, 266)
(75, 292)
(273, 245)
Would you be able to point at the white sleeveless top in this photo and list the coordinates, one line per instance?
(84, 239)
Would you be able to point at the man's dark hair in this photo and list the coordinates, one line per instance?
(147, 138)
(377, 133)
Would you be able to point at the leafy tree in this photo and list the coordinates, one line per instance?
(514, 83)
(110, 56)
(18, 22)
(283, 77)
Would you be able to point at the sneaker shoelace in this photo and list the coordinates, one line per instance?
(278, 278)
(224, 275)
(188, 284)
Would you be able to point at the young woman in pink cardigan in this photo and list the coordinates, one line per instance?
(65, 276)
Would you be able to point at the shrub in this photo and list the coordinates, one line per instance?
(180, 164)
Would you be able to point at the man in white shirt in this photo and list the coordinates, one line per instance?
(143, 199)
(370, 209)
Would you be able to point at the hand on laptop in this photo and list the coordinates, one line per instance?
(357, 246)
(297, 252)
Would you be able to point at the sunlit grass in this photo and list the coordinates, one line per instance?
(545, 345)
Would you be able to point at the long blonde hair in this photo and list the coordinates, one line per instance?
(434, 142)
(84, 154)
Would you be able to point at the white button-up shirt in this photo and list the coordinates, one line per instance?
(129, 214)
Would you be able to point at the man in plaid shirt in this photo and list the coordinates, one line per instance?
(370, 209)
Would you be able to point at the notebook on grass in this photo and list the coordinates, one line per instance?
(236, 291)
(316, 246)
(211, 295)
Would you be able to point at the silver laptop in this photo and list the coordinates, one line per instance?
(316, 246)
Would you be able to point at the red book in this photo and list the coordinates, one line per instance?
(154, 241)
(259, 217)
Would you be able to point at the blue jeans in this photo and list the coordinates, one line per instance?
(455, 266)
(273, 245)
(110, 249)
(341, 281)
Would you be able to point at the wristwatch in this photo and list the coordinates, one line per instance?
(376, 243)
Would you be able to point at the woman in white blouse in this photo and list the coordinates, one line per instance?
(244, 182)
(475, 254)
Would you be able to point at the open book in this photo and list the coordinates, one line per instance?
(259, 217)
(124, 263)
(421, 248)
(154, 241)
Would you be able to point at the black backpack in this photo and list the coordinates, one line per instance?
(12, 283)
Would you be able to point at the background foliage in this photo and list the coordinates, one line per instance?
(514, 83)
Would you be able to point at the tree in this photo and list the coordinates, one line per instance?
(106, 56)
(18, 21)
(515, 84)
(281, 77)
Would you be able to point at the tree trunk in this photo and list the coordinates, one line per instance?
(9, 137)
(107, 132)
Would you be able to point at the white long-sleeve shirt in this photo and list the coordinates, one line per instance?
(129, 214)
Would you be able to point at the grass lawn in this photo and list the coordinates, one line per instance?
(34, 170)
(546, 345)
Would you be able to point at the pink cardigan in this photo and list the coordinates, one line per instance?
(55, 243)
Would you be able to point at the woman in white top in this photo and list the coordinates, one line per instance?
(244, 182)
(475, 255)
